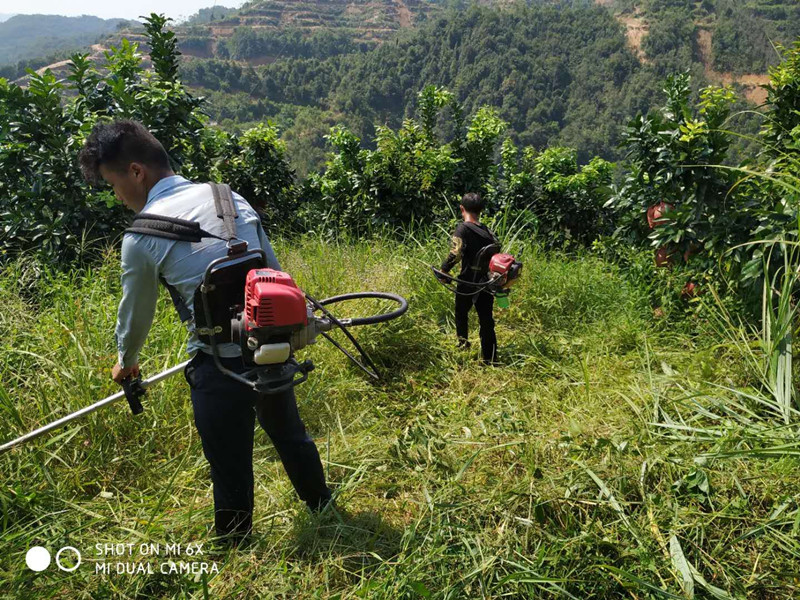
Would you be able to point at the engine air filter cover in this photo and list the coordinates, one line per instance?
(272, 299)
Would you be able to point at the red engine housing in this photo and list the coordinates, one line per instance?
(272, 299)
(506, 268)
(501, 263)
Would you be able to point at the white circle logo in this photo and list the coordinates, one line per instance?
(62, 567)
(37, 558)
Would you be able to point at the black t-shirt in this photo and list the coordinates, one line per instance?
(465, 245)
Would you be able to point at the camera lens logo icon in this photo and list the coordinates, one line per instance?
(38, 558)
(77, 559)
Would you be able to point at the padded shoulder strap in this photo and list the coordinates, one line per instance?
(226, 209)
(170, 228)
(481, 261)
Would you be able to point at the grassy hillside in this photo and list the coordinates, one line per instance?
(615, 455)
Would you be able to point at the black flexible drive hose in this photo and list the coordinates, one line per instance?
(375, 318)
(481, 286)
(343, 324)
(374, 370)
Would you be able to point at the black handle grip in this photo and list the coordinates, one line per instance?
(133, 392)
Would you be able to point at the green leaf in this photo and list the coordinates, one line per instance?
(682, 566)
(420, 588)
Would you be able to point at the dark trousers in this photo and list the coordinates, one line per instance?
(484, 303)
(224, 414)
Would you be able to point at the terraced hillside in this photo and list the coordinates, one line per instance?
(374, 19)
(256, 33)
(732, 37)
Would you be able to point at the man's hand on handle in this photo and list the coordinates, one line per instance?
(128, 379)
(118, 373)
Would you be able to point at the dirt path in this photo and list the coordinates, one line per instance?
(96, 54)
(751, 82)
(403, 14)
(635, 29)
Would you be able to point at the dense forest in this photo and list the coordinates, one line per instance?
(559, 73)
(537, 64)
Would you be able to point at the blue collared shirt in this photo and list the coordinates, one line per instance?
(182, 264)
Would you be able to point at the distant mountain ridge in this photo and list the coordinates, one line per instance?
(31, 36)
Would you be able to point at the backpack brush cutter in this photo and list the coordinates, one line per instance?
(502, 272)
(496, 272)
(275, 319)
(240, 300)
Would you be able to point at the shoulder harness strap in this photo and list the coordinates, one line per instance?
(184, 313)
(484, 233)
(226, 209)
(182, 230)
(481, 261)
(170, 228)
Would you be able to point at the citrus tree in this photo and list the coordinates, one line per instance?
(47, 208)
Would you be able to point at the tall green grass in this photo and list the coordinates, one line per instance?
(614, 455)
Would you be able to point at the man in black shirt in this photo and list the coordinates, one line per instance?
(468, 239)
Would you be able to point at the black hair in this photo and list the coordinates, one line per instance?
(116, 145)
(473, 203)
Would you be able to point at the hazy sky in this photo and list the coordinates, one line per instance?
(107, 10)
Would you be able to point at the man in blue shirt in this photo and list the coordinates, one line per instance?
(129, 158)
